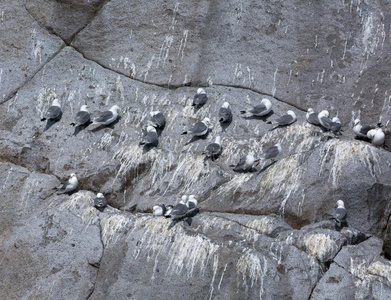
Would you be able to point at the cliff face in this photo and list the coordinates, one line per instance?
(261, 235)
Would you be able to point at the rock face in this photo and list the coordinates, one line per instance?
(259, 235)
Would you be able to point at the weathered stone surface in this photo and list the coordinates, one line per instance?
(265, 234)
(358, 272)
(25, 47)
(309, 54)
(48, 244)
(65, 18)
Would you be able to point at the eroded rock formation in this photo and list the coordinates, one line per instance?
(261, 235)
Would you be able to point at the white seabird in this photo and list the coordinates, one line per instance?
(150, 137)
(225, 113)
(68, 186)
(245, 163)
(199, 98)
(100, 202)
(259, 110)
(362, 130)
(82, 117)
(284, 120)
(340, 214)
(324, 119)
(272, 152)
(213, 150)
(168, 211)
(109, 116)
(377, 136)
(157, 119)
(54, 112)
(199, 128)
(159, 210)
(336, 125)
(312, 117)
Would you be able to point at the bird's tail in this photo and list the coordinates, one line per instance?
(184, 132)
(273, 127)
(43, 119)
(243, 111)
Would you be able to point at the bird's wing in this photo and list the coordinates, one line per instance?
(199, 99)
(313, 119)
(285, 120)
(104, 117)
(179, 210)
(53, 112)
(340, 214)
(326, 122)
(82, 117)
(271, 152)
(258, 109)
(199, 127)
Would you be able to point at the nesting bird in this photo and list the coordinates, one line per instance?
(213, 150)
(200, 98)
(100, 202)
(199, 128)
(82, 117)
(272, 152)
(376, 136)
(259, 110)
(284, 120)
(150, 138)
(157, 120)
(108, 117)
(54, 112)
(340, 215)
(225, 113)
(335, 126)
(245, 163)
(68, 186)
(312, 117)
(324, 119)
(362, 130)
(159, 210)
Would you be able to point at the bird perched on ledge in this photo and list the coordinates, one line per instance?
(108, 117)
(259, 110)
(54, 112)
(68, 186)
(200, 98)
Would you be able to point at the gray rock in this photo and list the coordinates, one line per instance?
(264, 234)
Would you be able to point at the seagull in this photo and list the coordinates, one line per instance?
(68, 186)
(157, 120)
(324, 119)
(213, 150)
(192, 205)
(335, 126)
(225, 113)
(150, 137)
(54, 112)
(272, 152)
(168, 211)
(82, 117)
(199, 98)
(376, 136)
(260, 109)
(178, 212)
(360, 130)
(284, 120)
(340, 215)
(108, 117)
(159, 210)
(245, 163)
(100, 202)
(199, 128)
(312, 117)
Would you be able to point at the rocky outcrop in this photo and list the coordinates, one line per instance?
(264, 234)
